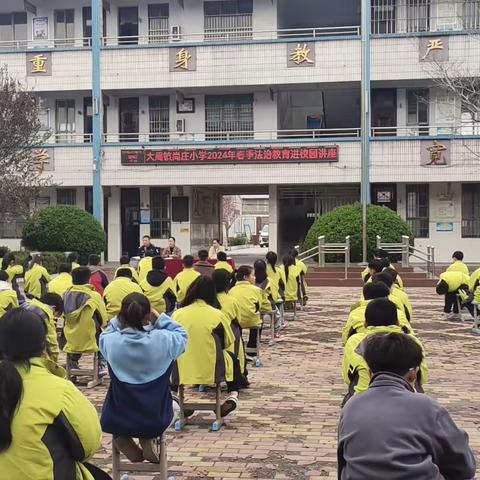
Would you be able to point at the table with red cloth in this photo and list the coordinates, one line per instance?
(174, 266)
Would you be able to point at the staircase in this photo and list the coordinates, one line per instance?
(334, 276)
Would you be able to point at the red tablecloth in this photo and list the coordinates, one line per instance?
(174, 266)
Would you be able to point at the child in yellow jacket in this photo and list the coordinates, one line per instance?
(36, 278)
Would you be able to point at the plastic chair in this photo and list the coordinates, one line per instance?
(120, 466)
(86, 372)
(201, 406)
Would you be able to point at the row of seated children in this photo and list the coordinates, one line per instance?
(459, 288)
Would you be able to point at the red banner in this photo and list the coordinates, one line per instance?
(230, 155)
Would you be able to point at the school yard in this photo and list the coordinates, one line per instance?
(285, 427)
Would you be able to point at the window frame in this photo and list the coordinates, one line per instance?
(72, 201)
(471, 223)
(419, 224)
(160, 224)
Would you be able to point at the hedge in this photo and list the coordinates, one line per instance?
(347, 220)
(64, 229)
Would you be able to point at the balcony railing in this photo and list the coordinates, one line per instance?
(83, 43)
(267, 135)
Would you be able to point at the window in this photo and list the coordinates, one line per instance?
(64, 27)
(128, 108)
(417, 109)
(228, 19)
(471, 14)
(11, 226)
(383, 16)
(158, 23)
(66, 196)
(159, 118)
(418, 15)
(229, 113)
(128, 25)
(418, 210)
(87, 25)
(89, 200)
(471, 210)
(13, 28)
(65, 120)
(160, 212)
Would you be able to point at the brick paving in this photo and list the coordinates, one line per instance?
(285, 427)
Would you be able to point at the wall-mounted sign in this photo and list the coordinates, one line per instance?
(324, 154)
(301, 54)
(433, 49)
(145, 216)
(40, 28)
(445, 227)
(384, 196)
(186, 106)
(39, 63)
(436, 153)
(44, 159)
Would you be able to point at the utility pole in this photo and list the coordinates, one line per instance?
(366, 122)
(97, 107)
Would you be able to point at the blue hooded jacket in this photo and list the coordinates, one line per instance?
(139, 402)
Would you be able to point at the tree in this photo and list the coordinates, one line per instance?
(229, 213)
(21, 166)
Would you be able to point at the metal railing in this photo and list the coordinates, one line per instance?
(425, 130)
(48, 43)
(322, 249)
(406, 251)
(239, 33)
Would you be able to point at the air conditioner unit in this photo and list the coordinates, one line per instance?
(181, 126)
(176, 33)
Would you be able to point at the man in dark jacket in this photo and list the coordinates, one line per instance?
(203, 266)
(390, 431)
(148, 246)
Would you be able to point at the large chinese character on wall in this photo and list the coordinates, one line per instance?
(183, 59)
(39, 63)
(436, 153)
(433, 49)
(301, 54)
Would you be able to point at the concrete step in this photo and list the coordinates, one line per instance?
(350, 274)
(333, 268)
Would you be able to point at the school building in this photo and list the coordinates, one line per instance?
(252, 97)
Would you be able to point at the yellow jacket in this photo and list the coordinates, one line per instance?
(182, 282)
(53, 416)
(231, 310)
(276, 278)
(144, 266)
(156, 292)
(474, 285)
(8, 298)
(458, 266)
(14, 271)
(249, 298)
(116, 291)
(208, 332)
(85, 315)
(356, 321)
(135, 276)
(60, 284)
(291, 285)
(454, 279)
(224, 266)
(403, 297)
(45, 312)
(266, 305)
(36, 280)
(355, 370)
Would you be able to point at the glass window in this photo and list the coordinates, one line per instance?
(128, 25)
(418, 15)
(65, 120)
(229, 113)
(66, 196)
(418, 209)
(417, 108)
(159, 212)
(64, 27)
(129, 119)
(228, 19)
(471, 14)
(158, 27)
(383, 16)
(471, 210)
(159, 118)
(89, 199)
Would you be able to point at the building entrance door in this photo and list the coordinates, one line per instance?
(130, 210)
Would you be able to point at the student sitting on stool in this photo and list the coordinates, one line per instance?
(63, 281)
(36, 278)
(450, 285)
(185, 278)
(125, 263)
(139, 346)
(8, 296)
(118, 289)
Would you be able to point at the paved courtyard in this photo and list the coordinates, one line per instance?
(285, 427)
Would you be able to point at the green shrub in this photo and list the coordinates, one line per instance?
(240, 240)
(347, 220)
(64, 229)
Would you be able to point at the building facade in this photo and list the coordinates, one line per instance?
(252, 97)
